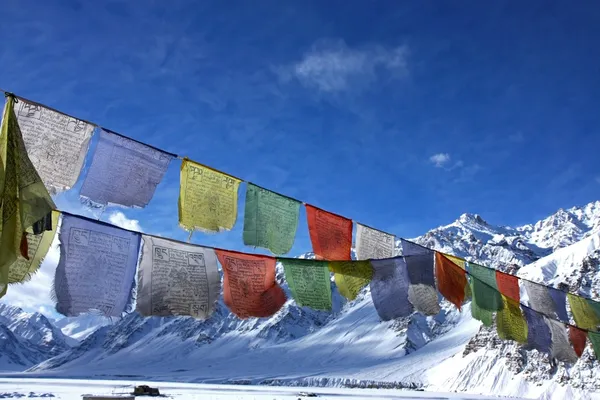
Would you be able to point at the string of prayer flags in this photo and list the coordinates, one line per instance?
(56, 143)
(538, 332)
(96, 269)
(561, 348)
(389, 288)
(508, 285)
(124, 171)
(177, 279)
(330, 234)
(373, 244)
(510, 323)
(24, 200)
(451, 280)
(249, 286)
(584, 315)
(309, 281)
(351, 276)
(485, 288)
(595, 341)
(37, 248)
(578, 338)
(207, 198)
(270, 220)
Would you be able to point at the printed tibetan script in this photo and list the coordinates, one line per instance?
(373, 244)
(177, 279)
(207, 198)
(96, 269)
(56, 143)
(330, 234)
(124, 172)
(309, 282)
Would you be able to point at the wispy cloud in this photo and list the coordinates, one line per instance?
(440, 160)
(333, 66)
(119, 219)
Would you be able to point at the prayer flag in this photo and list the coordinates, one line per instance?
(207, 198)
(577, 338)
(373, 244)
(177, 279)
(351, 276)
(24, 200)
(546, 300)
(420, 265)
(538, 332)
(451, 280)
(249, 286)
(37, 247)
(56, 143)
(456, 260)
(270, 220)
(485, 288)
(480, 314)
(510, 322)
(413, 249)
(389, 288)
(584, 315)
(559, 298)
(330, 234)
(124, 171)
(96, 270)
(561, 349)
(309, 281)
(508, 285)
(595, 340)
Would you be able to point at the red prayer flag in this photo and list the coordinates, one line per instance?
(249, 287)
(577, 337)
(330, 234)
(508, 285)
(451, 280)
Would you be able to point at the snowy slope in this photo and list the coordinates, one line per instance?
(350, 346)
(82, 326)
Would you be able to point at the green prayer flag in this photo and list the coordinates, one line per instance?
(351, 276)
(583, 313)
(24, 199)
(484, 287)
(510, 323)
(485, 316)
(595, 340)
(309, 282)
(270, 220)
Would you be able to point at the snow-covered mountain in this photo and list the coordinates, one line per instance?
(81, 327)
(350, 346)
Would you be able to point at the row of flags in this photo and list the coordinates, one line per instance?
(100, 263)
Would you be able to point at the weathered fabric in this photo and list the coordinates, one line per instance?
(309, 281)
(249, 286)
(124, 172)
(456, 260)
(546, 300)
(510, 323)
(24, 199)
(560, 302)
(577, 338)
(97, 266)
(561, 348)
(56, 143)
(373, 244)
(451, 280)
(37, 247)
(330, 234)
(424, 298)
(508, 285)
(595, 341)
(584, 315)
(484, 288)
(389, 288)
(595, 305)
(270, 220)
(175, 278)
(478, 313)
(413, 249)
(351, 276)
(538, 333)
(207, 198)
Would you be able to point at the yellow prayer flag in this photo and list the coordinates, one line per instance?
(456, 260)
(585, 317)
(207, 198)
(24, 199)
(351, 276)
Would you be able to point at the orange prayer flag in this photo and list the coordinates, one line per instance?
(249, 287)
(330, 234)
(508, 285)
(577, 337)
(451, 280)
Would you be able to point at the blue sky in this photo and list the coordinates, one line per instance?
(401, 115)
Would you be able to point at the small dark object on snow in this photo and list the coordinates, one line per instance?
(144, 390)
(306, 394)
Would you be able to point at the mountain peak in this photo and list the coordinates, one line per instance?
(467, 218)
